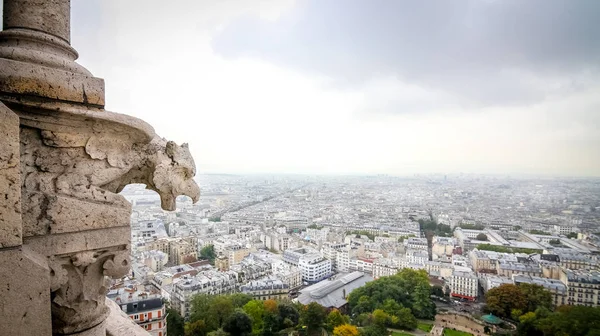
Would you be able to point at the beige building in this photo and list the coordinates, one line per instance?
(235, 254)
(509, 268)
(583, 287)
(182, 252)
(222, 262)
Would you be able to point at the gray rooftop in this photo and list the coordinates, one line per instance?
(330, 293)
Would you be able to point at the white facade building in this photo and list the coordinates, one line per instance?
(464, 284)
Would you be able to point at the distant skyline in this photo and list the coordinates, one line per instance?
(356, 87)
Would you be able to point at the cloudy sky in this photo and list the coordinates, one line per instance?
(353, 86)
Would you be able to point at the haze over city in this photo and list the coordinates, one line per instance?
(353, 87)
(300, 168)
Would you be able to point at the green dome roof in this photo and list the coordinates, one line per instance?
(491, 319)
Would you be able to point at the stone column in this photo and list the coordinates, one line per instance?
(63, 159)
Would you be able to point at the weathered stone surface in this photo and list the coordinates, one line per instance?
(119, 324)
(20, 78)
(79, 241)
(24, 293)
(58, 214)
(72, 161)
(56, 163)
(79, 284)
(50, 16)
(10, 181)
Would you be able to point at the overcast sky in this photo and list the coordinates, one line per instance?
(353, 86)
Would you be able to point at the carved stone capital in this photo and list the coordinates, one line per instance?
(79, 285)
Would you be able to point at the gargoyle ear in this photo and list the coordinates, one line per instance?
(170, 149)
(185, 145)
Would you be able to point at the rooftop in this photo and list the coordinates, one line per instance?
(333, 292)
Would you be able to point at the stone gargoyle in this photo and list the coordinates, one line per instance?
(97, 167)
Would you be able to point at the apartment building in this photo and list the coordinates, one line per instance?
(583, 286)
(270, 288)
(508, 268)
(385, 267)
(144, 308)
(210, 282)
(414, 243)
(555, 287)
(464, 285)
(314, 268)
(235, 253)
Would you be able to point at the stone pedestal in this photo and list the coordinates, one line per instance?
(64, 229)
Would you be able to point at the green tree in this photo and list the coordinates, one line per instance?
(482, 236)
(503, 299)
(313, 316)
(175, 323)
(536, 297)
(374, 330)
(238, 323)
(256, 310)
(219, 332)
(208, 252)
(272, 323)
(238, 300)
(409, 288)
(197, 328)
(379, 317)
(288, 311)
(437, 290)
(572, 235)
(335, 318)
(213, 309)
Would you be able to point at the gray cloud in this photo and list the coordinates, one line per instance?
(483, 53)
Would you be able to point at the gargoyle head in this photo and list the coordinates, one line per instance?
(174, 172)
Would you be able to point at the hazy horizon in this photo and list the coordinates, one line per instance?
(354, 87)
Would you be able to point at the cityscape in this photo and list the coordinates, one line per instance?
(300, 168)
(317, 238)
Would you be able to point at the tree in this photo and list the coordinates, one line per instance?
(345, 330)
(213, 309)
(272, 324)
(572, 235)
(409, 288)
(256, 310)
(238, 323)
(219, 332)
(437, 290)
(503, 299)
(270, 306)
(208, 252)
(536, 297)
(379, 317)
(482, 236)
(197, 328)
(313, 316)
(288, 311)
(335, 318)
(221, 309)
(554, 241)
(175, 324)
(238, 300)
(374, 330)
